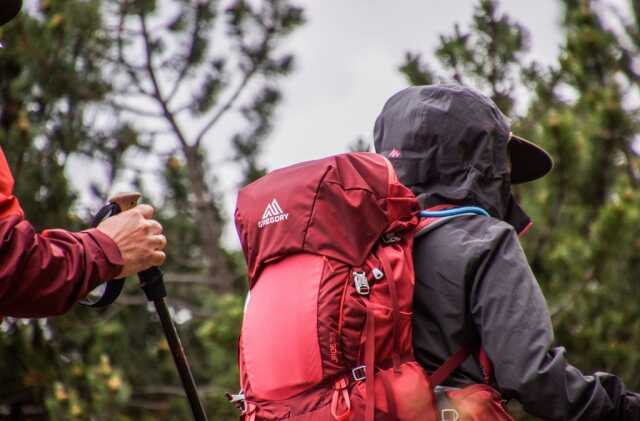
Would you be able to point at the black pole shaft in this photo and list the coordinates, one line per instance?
(180, 359)
(152, 283)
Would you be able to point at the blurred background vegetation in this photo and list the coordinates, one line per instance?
(128, 82)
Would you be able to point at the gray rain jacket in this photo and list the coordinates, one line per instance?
(473, 282)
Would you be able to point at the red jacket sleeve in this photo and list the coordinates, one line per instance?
(9, 204)
(45, 274)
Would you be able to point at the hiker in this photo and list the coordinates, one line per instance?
(474, 288)
(45, 274)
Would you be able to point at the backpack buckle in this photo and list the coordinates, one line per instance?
(359, 373)
(361, 282)
(237, 400)
(390, 238)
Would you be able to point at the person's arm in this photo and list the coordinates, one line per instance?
(512, 318)
(45, 274)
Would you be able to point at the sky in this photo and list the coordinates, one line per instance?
(347, 56)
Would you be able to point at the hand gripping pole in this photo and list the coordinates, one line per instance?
(152, 283)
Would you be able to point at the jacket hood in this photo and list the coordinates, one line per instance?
(448, 143)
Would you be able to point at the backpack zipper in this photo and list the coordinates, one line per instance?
(361, 282)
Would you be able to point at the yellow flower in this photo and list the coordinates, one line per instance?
(23, 122)
(114, 383)
(173, 163)
(163, 345)
(60, 392)
(105, 365)
(76, 410)
(56, 20)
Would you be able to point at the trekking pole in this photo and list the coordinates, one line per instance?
(152, 283)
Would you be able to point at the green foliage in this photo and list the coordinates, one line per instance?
(189, 84)
(488, 54)
(416, 72)
(584, 247)
(116, 83)
(79, 76)
(51, 74)
(249, 145)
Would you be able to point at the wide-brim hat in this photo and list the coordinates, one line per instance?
(8, 10)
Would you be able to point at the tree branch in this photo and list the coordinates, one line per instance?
(166, 390)
(632, 169)
(150, 405)
(129, 68)
(175, 302)
(157, 93)
(186, 60)
(189, 278)
(255, 65)
(227, 105)
(134, 110)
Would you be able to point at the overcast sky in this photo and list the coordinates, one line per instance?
(347, 57)
(348, 54)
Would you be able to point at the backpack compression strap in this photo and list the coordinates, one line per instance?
(454, 361)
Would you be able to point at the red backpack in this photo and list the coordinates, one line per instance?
(327, 326)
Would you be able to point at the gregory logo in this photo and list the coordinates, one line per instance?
(272, 214)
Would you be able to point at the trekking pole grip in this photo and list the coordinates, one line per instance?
(106, 293)
(125, 201)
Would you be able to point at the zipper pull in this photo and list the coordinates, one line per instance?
(361, 282)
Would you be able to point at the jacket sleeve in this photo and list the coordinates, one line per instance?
(45, 274)
(511, 315)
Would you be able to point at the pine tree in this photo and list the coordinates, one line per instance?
(187, 84)
(584, 246)
(126, 84)
(51, 85)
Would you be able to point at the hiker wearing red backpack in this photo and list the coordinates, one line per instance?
(327, 329)
(475, 293)
(333, 329)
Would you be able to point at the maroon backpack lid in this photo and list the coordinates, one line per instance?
(338, 206)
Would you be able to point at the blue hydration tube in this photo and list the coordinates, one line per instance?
(465, 210)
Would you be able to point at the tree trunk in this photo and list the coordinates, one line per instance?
(209, 221)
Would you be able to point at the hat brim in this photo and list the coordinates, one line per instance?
(528, 160)
(8, 10)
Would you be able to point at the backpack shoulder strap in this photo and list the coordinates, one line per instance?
(430, 216)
